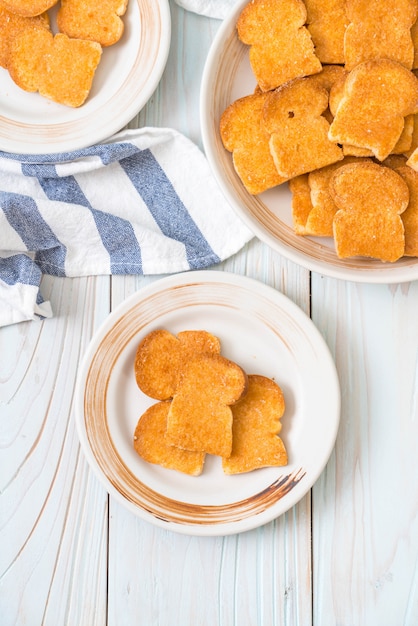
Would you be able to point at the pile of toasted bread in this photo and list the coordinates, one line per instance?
(207, 404)
(61, 66)
(334, 115)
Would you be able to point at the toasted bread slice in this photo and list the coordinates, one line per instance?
(61, 69)
(89, 19)
(379, 30)
(150, 443)
(27, 8)
(11, 25)
(370, 199)
(256, 427)
(378, 95)
(244, 135)
(200, 416)
(299, 133)
(301, 202)
(327, 21)
(320, 221)
(160, 358)
(281, 47)
(406, 137)
(410, 215)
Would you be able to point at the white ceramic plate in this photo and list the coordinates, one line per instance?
(266, 334)
(126, 77)
(228, 76)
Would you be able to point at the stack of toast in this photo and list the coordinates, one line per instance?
(207, 404)
(336, 100)
(60, 66)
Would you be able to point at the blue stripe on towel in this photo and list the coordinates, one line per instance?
(116, 233)
(108, 153)
(20, 268)
(23, 215)
(168, 210)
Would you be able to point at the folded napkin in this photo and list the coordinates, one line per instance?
(217, 9)
(144, 202)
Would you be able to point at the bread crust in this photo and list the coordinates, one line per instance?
(256, 428)
(200, 416)
(92, 20)
(151, 444)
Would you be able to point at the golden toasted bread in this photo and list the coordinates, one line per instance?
(200, 416)
(301, 202)
(320, 220)
(11, 25)
(380, 30)
(243, 134)
(89, 19)
(27, 8)
(256, 426)
(378, 95)
(410, 215)
(160, 358)
(327, 21)
(370, 200)
(281, 47)
(405, 139)
(414, 37)
(299, 141)
(150, 443)
(313, 208)
(327, 78)
(60, 68)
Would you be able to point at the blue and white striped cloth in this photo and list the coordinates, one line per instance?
(144, 202)
(217, 9)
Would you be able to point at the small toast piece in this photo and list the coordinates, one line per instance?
(327, 78)
(89, 19)
(380, 30)
(200, 415)
(243, 134)
(11, 25)
(281, 47)
(160, 357)
(370, 199)
(256, 428)
(405, 139)
(151, 445)
(414, 36)
(378, 95)
(301, 202)
(27, 8)
(327, 21)
(60, 68)
(299, 133)
(320, 220)
(410, 215)
(313, 207)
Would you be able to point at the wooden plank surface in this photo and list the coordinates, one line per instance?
(346, 555)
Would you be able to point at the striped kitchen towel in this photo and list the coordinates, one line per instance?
(144, 202)
(217, 9)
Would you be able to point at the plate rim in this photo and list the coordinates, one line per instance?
(384, 274)
(33, 146)
(159, 286)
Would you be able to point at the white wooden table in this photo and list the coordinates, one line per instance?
(346, 555)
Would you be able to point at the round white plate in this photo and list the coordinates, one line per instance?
(127, 76)
(228, 76)
(261, 330)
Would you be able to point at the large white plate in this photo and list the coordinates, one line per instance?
(126, 78)
(228, 76)
(266, 334)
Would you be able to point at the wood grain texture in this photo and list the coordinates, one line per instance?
(365, 524)
(345, 555)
